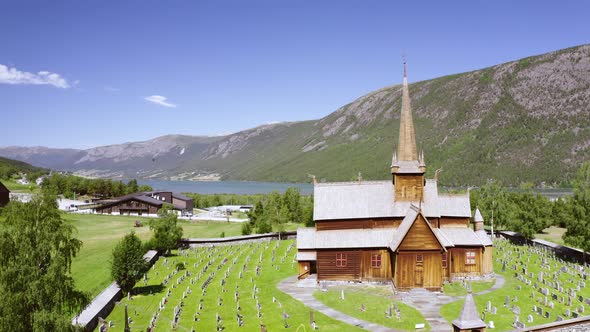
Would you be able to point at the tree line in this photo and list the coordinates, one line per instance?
(529, 213)
(274, 210)
(71, 186)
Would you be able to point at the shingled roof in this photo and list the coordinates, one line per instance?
(375, 199)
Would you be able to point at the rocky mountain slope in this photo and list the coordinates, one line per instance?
(522, 121)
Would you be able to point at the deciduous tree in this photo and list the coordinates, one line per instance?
(128, 264)
(36, 287)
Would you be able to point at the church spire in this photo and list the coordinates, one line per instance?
(407, 138)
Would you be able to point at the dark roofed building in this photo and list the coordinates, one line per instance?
(4, 195)
(146, 203)
(400, 230)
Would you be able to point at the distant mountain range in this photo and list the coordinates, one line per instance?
(521, 121)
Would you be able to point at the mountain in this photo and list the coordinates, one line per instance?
(522, 121)
(9, 167)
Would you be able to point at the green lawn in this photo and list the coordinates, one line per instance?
(553, 234)
(100, 234)
(375, 304)
(457, 289)
(276, 260)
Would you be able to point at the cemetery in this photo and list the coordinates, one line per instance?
(232, 287)
(539, 288)
(217, 288)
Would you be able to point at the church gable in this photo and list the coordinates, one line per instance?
(420, 236)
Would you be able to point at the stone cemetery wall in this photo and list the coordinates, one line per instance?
(103, 303)
(238, 239)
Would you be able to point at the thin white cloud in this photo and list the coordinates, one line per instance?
(159, 100)
(15, 76)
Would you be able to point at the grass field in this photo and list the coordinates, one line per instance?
(243, 288)
(553, 234)
(375, 303)
(14, 186)
(523, 298)
(100, 234)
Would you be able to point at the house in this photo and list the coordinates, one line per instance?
(400, 230)
(4, 195)
(146, 203)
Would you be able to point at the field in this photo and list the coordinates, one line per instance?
(100, 234)
(553, 234)
(221, 288)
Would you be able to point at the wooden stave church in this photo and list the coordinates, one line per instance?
(402, 231)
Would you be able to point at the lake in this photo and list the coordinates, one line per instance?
(226, 187)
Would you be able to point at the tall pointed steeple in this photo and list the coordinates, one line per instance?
(407, 138)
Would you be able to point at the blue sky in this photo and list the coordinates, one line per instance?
(80, 74)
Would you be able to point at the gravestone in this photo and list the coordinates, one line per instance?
(507, 301)
(529, 318)
(551, 305)
(494, 310)
(516, 310)
(547, 314)
(575, 314)
(489, 306)
(559, 319)
(568, 312)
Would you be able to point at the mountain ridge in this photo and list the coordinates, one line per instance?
(521, 121)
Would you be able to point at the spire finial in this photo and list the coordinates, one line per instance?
(404, 61)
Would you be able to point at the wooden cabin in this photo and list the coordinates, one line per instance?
(145, 203)
(4, 195)
(400, 230)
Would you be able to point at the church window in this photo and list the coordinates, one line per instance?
(470, 257)
(419, 258)
(341, 259)
(376, 261)
(444, 260)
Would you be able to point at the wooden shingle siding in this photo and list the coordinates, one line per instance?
(453, 222)
(370, 273)
(357, 223)
(487, 265)
(420, 237)
(458, 265)
(412, 272)
(409, 187)
(326, 265)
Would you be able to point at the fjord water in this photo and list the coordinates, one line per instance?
(226, 187)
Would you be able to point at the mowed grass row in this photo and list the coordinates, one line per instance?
(505, 317)
(238, 266)
(100, 234)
